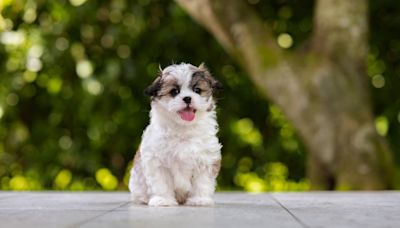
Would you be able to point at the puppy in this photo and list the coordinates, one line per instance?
(179, 156)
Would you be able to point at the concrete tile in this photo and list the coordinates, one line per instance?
(44, 218)
(55, 209)
(113, 209)
(231, 210)
(343, 209)
(5, 195)
(63, 201)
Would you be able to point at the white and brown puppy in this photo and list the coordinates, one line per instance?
(179, 156)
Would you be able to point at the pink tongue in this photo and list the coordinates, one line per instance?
(187, 114)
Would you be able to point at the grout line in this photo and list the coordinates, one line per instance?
(288, 211)
(99, 215)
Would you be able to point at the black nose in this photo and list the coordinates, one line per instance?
(187, 100)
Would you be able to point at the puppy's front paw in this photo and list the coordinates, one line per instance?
(199, 201)
(158, 201)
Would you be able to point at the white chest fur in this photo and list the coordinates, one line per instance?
(176, 145)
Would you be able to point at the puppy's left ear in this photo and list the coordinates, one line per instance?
(215, 84)
(153, 89)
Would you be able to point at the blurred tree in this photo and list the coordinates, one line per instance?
(72, 109)
(321, 87)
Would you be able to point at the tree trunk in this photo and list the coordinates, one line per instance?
(323, 91)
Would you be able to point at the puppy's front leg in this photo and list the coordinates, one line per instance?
(182, 182)
(159, 182)
(203, 187)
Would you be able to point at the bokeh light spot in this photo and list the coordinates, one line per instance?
(105, 178)
(12, 99)
(65, 142)
(62, 179)
(34, 64)
(62, 44)
(19, 183)
(84, 68)
(93, 133)
(124, 51)
(77, 2)
(77, 51)
(30, 15)
(54, 85)
(35, 51)
(107, 41)
(21, 133)
(285, 40)
(93, 86)
(29, 76)
(378, 81)
(77, 186)
(382, 125)
(245, 129)
(12, 38)
(375, 66)
(87, 32)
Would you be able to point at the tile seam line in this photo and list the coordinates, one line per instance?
(97, 216)
(290, 213)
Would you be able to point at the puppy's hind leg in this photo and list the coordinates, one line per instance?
(138, 188)
(137, 183)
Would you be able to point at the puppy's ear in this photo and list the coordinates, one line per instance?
(215, 84)
(203, 67)
(153, 89)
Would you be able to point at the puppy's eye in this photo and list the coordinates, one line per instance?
(197, 90)
(174, 92)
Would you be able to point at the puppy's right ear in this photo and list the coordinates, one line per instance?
(153, 89)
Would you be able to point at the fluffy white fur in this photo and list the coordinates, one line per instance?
(179, 160)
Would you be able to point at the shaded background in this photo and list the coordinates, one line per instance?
(72, 73)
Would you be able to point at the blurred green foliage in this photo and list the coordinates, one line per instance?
(72, 74)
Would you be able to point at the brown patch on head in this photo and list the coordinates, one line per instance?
(162, 86)
(168, 84)
(204, 82)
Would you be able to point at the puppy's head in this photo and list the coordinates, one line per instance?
(184, 92)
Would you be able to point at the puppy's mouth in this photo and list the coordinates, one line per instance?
(187, 114)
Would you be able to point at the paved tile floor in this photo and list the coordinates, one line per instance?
(101, 209)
